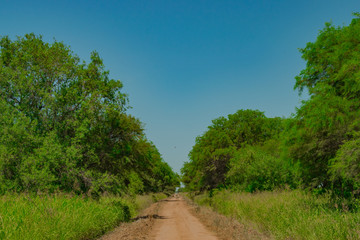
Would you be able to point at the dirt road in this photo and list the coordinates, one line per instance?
(177, 223)
(169, 219)
(176, 218)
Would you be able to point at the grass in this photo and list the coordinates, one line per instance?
(65, 217)
(286, 214)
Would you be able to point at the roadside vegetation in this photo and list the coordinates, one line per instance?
(314, 155)
(62, 216)
(67, 144)
(64, 126)
(285, 214)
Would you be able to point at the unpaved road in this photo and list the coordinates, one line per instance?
(176, 218)
(169, 219)
(176, 222)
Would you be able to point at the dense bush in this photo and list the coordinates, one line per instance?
(64, 126)
(226, 147)
(317, 148)
(328, 120)
(345, 169)
(255, 168)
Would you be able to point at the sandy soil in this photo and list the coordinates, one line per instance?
(177, 223)
(177, 218)
(169, 219)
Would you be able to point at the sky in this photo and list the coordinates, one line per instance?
(185, 63)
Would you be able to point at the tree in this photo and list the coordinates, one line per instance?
(333, 61)
(325, 122)
(217, 147)
(71, 118)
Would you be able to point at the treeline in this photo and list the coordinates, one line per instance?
(317, 148)
(64, 126)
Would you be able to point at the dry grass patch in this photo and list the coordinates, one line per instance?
(286, 214)
(225, 227)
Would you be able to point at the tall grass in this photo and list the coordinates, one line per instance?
(63, 216)
(286, 214)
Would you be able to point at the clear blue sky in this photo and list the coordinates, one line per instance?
(184, 63)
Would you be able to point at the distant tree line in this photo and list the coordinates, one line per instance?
(318, 148)
(64, 126)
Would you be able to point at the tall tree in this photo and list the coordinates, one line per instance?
(327, 119)
(79, 137)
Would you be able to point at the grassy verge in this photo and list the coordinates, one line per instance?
(225, 227)
(65, 217)
(286, 215)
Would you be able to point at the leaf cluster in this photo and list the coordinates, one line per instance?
(217, 158)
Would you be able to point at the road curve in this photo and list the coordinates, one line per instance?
(175, 222)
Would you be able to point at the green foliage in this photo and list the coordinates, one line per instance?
(64, 125)
(224, 148)
(258, 168)
(316, 149)
(326, 121)
(319, 129)
(136, 186)
(333, 60)
(345, 169)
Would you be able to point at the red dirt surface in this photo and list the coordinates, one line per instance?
(177, 218)
(176, 222)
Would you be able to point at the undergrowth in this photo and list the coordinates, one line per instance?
(286, 214)
(64, 216)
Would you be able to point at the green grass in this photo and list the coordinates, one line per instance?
(286, 214)
(65, 217)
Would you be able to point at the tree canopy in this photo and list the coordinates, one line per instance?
(317, 148)
(216, 150)
(64, 125)
(329, 118)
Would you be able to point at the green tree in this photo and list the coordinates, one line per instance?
(213, 152)
(324, 122)
(65, 126)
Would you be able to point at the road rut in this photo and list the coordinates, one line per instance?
(177, 223)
